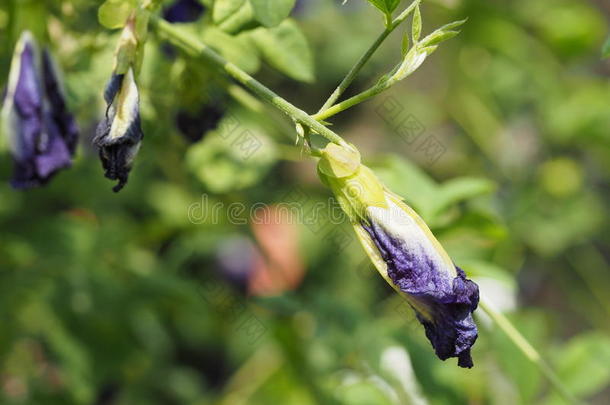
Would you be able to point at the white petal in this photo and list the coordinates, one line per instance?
(125, 107)
(402, 223)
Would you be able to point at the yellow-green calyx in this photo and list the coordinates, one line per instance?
(355, 185)
(130, 47)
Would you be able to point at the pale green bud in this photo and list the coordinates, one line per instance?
(355, 185)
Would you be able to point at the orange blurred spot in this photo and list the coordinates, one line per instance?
(280, 267)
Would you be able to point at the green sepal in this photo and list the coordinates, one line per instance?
(338, 161)
(355, 186)
(114, 13)
(126, 50)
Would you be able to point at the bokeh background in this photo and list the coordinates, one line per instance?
(188, 287)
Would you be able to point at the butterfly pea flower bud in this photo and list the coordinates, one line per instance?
(42, 134)
(119, 134)
(406, 254)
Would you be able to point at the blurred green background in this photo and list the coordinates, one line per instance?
(170, 293)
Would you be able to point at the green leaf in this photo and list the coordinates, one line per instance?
(442, 34)
(582, 364)
(460, 189)
(410, 182)
(271, 13)
(286, 48)
(223, 9)
(452, 25)
(385, 6)
(362, 392)
(113, 13)
(606, 49)
(234, 16)
(416, 25)
(224, 163)
(427, 197)
(438, 37)
(405, 44)
(238, 50)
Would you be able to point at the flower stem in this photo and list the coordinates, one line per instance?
(527, 349)
(251, 375)
(194, 47)
(352, 101)
(351, 75)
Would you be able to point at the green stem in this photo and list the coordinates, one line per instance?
(357, 99)
(351, 75)
(527, 349)
(251, 375)
(191, 45)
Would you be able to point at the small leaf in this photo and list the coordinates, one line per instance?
(452, 25)
(236, 49)
(416, 25)
(385, 6)
(271, 13)
(437, 37)
(223, 164)
(241, 20)
(410, 182)
(460, 189)
(405, 44)
(114, 13)
(606, 49)
(428, 50)
(286, 48)
(223, 9)
(442, 33)
(582, 363)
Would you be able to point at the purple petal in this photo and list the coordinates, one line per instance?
(184, 11)
(27, 100)
(43, 133)
(449, 303)
(62, 118)
(117, 153)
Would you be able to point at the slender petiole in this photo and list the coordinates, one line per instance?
(351, 75)
(194, 47)
(527, 349)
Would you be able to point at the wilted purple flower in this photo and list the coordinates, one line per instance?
(406, 253)
(42, 133)
(440, 293)
(184, 11)
(119, 134)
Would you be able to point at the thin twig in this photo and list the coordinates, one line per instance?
(351, 75)
(193, 46)
(527, 349)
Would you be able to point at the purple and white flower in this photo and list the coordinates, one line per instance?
(42, 134)
(119, 134)
(406, 253)
(417, 266)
